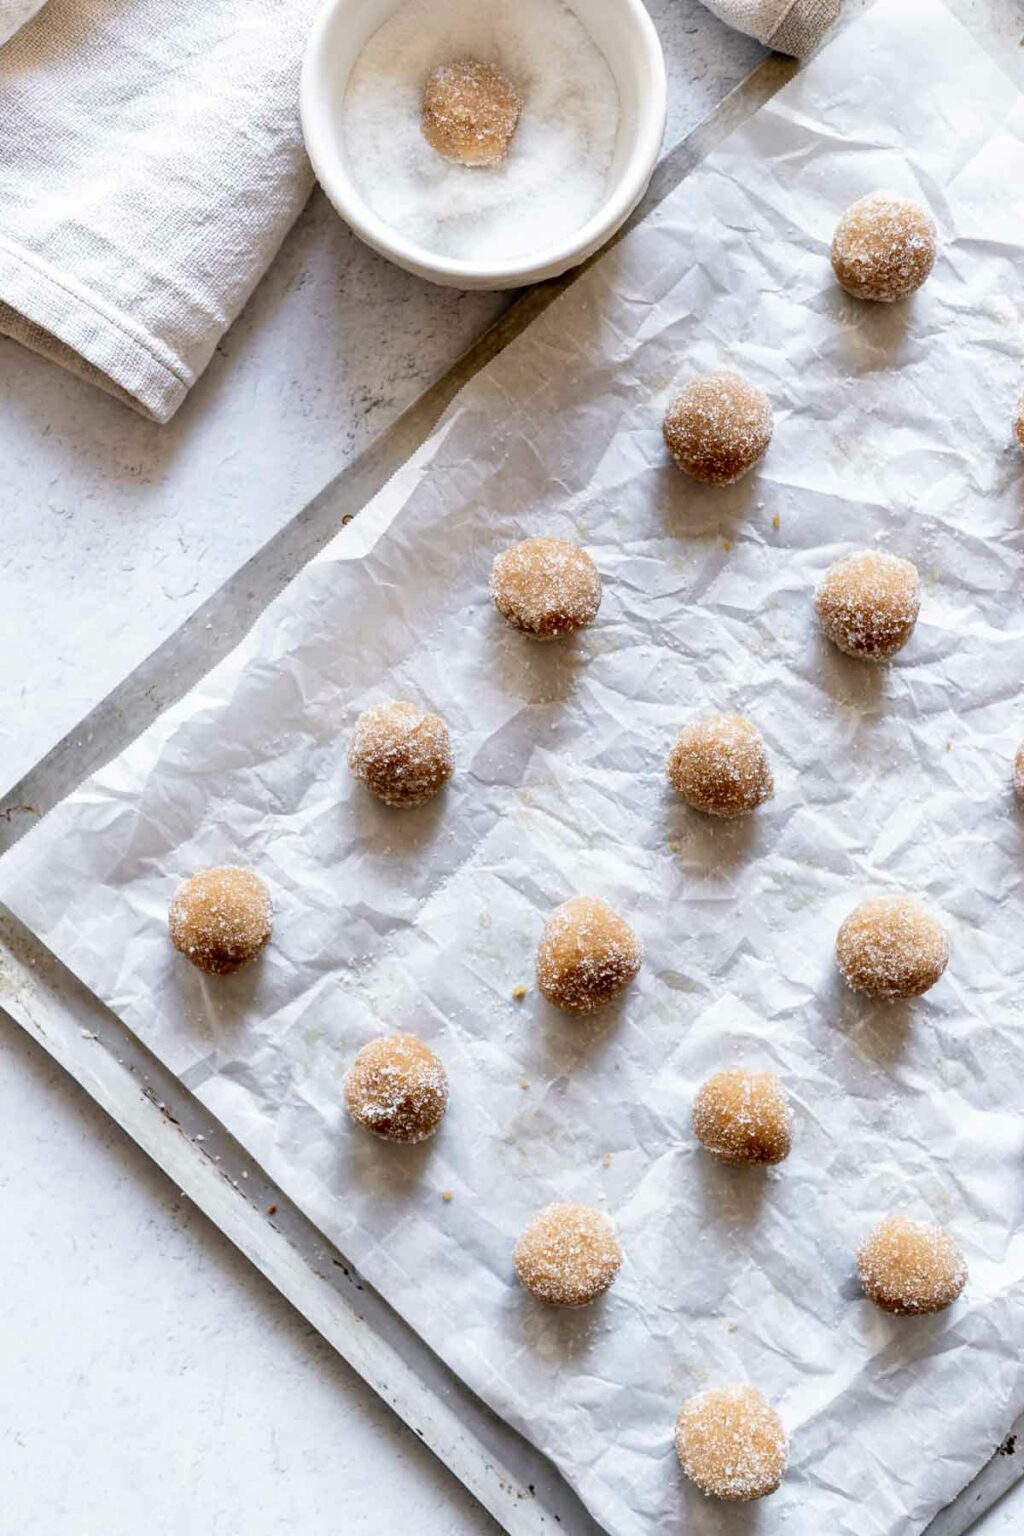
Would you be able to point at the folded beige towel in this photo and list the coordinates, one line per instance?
(152, 163)
(14, 14)
(791, 26)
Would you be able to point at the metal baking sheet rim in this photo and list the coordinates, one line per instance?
(512, 1480)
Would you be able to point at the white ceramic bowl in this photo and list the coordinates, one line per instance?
(625, 34)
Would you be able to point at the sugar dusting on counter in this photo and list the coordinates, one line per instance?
(556, 171)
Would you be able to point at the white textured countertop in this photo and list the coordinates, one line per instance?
(150, 1379)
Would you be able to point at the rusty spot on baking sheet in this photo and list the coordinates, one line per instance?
(151, 1096)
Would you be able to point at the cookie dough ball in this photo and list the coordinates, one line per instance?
(719, 765)
(588, 954)
(470, 112)
(568, 1255)
(221, 918)
(546, 587)
(402, 755)
(731, 1443)
(743, 1117)
(911, 1266)
(397, 1088)
(883, 247)
(718, 427)
(891, 947)
(1018, 772)
(867, 604)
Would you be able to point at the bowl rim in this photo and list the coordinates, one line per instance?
(315, 117)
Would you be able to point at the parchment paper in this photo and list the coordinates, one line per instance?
(892, 428)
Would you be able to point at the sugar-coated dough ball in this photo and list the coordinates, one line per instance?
(718, 427)
(402, 755)
(719, 765)
(470, 112)
(588, 954)
(397, 1088)
(868, 602)
(891, 947)
(568, 1255)
(743, 1117)
(883, 247)
(221, 918)
(911, 1266)
(731, 1443)
(546, 587)
(1018, 772)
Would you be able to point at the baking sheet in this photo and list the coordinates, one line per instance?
(890, 424)
(513, 1480)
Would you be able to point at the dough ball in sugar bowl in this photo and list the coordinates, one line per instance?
(891, 947)
(220, 919)
(397, 1088)
(588, 955)
(909, 1267)
(718, 427)
(484, 134)
(568, 1256)
(884, 247)
(545, 587)
(470, 112)
(731, 1443)
(401, 754)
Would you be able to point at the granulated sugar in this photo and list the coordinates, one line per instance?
(555, 174)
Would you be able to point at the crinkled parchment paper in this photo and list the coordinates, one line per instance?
(892, 428)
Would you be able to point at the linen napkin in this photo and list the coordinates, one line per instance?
(789, 26)
(152, 163)
(14, 14)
